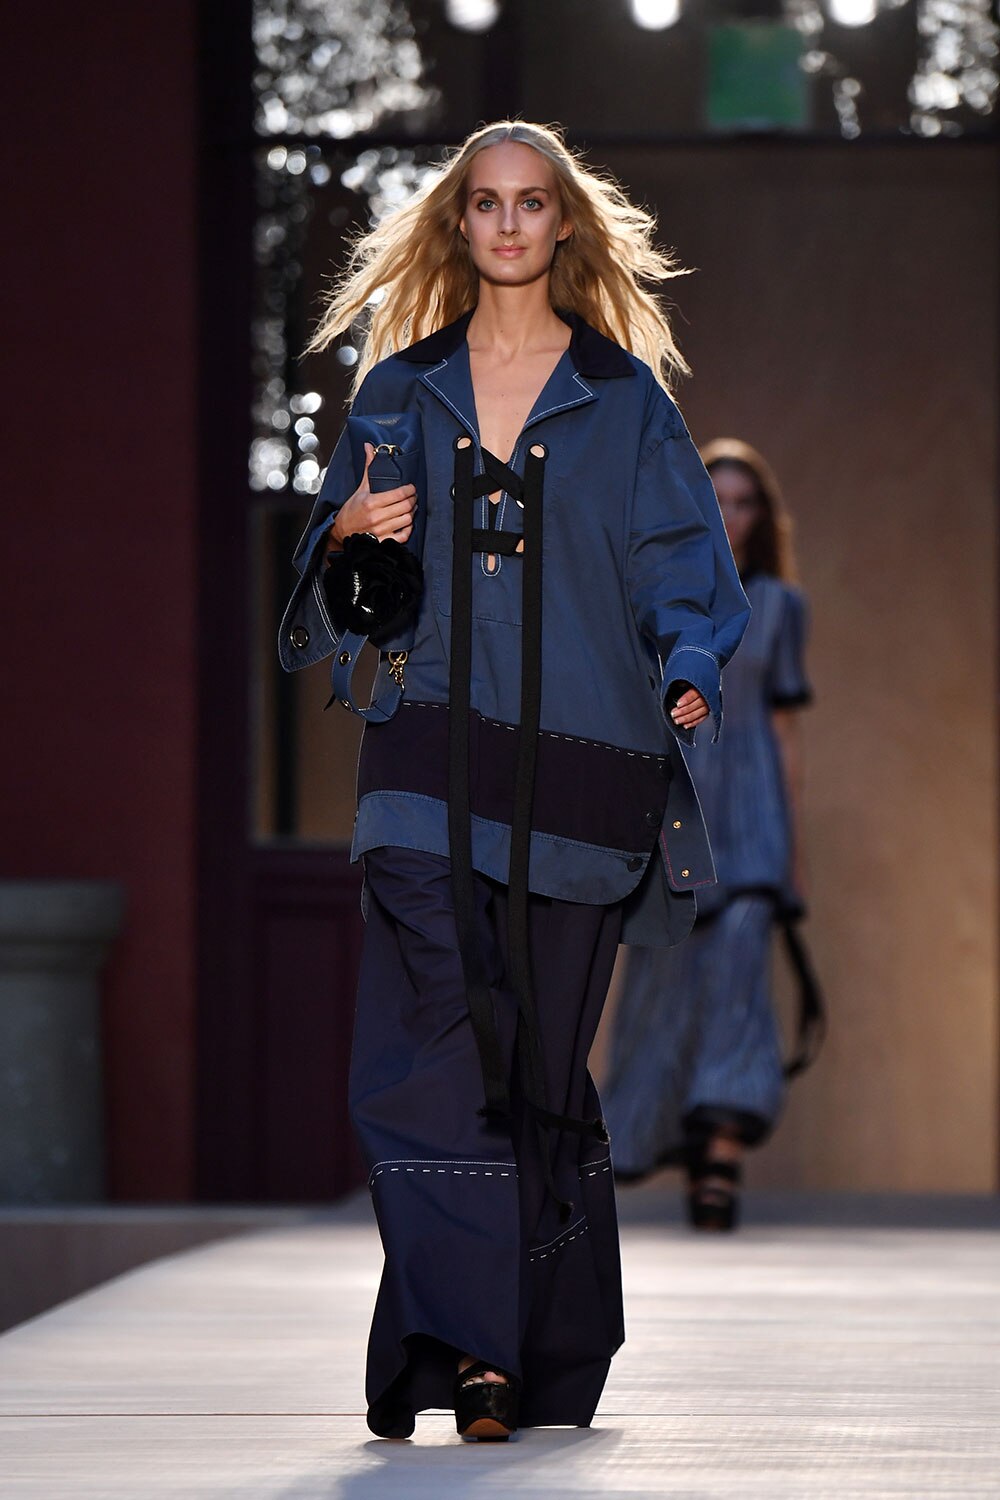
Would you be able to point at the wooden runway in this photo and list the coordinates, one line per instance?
(805, 1361)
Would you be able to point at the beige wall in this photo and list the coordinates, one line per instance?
(844, 319)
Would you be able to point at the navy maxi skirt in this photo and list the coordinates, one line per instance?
(477, 1258)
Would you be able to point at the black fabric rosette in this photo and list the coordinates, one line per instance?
(373, 588)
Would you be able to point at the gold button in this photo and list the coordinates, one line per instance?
(685, 874)
(677, 822)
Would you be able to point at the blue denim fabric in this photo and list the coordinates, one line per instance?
(641, 598)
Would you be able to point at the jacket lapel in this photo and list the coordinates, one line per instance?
(451, 381)
(564, 389)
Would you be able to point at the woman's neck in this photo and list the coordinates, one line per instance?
(514, 320)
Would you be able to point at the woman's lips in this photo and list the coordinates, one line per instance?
(509, 250)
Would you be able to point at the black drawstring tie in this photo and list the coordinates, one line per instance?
(467, 541)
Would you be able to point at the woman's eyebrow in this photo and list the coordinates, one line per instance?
(521, 192)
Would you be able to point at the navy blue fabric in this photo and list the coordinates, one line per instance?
(640, 595)
(695, 1033)
(741, 780)
(477, 1260)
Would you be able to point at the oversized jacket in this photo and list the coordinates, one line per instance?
(640, 596)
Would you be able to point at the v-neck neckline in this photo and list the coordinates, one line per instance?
(536, 406)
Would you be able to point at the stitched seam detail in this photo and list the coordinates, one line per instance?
(439, 392)
(567, 405)
(704, 651)
(556, 1245)
(552, 734)
(320, 598)
(434, 1166)
(600, 1166)
(692, 884)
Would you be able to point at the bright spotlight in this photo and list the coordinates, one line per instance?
(472, 15)
(655, 15)
(852, 12)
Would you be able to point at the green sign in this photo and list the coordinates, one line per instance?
(755, 81)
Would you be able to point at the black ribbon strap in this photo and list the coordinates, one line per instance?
(467, 539)
(479, 998)
(812, 1011)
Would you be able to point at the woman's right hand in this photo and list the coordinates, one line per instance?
(388, 513)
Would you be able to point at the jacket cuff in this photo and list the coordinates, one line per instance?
(310, 549)
(697, 667)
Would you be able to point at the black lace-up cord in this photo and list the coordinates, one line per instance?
(479, 998)
(468, 488)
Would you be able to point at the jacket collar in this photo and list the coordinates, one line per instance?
(594, 356)
(446, 355)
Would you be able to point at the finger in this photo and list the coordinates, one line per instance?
(686, 699)
(697, 710)
(369, 455)
(401, 492)
(393, 529)
(404, 510)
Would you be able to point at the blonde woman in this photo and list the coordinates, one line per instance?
(696, 1072)
(521, 795)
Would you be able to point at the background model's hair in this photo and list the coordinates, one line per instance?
(417, 264)
(769, 548)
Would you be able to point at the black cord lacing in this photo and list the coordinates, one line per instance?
(467, 542)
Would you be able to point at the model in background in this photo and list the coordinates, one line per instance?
(696, 1071)
(511, 804)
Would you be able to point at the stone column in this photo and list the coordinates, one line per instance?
(54, 940)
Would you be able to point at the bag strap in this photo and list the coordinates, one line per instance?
(385, 694)
(812, 1010)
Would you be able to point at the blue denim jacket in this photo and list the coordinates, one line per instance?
(640, 596)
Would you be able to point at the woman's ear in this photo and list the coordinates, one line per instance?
(565, 231)
(461, 229)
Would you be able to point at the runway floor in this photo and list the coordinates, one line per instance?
(804, 1360)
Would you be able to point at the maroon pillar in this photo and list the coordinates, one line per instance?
(97, 567)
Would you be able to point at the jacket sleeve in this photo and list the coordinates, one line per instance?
(339, 484)
(684, 588)
(306, 633)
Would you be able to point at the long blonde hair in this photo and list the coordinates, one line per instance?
(413, 273)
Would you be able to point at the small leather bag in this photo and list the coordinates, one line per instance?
(373, 588)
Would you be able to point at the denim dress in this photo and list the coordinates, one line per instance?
(695, 1044)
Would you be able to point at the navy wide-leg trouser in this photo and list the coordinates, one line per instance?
(477, 1259)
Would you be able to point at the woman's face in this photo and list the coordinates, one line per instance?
(513, 218)
(739, 503)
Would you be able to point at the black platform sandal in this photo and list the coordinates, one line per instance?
(485, 1410)
(713, 1200)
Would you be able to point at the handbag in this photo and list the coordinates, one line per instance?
(373, 588)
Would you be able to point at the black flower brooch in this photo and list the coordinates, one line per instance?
(373, 588)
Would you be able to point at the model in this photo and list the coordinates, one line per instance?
(696, 1070)
(522, 800)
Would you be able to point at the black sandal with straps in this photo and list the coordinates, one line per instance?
(485, 1410)
(713, 1199)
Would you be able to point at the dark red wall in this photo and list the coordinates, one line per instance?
(97, 572)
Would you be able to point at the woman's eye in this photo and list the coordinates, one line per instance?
(531, 203)
(486, 203)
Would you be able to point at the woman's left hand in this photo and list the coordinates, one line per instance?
(689, 709)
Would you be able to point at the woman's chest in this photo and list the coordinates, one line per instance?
(505, 393)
